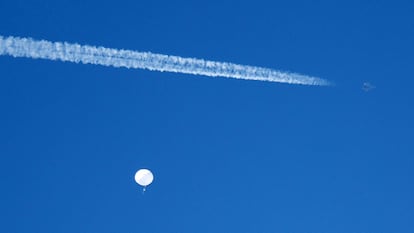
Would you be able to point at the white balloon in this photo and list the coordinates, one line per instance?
(144, 177)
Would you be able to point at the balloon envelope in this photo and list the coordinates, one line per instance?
(144, 177)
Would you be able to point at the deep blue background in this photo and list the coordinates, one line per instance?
(228, 155)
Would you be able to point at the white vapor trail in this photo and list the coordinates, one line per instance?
(27, 47)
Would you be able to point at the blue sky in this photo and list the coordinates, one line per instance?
(227, 155)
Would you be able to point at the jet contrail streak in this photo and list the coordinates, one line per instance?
(27, 47)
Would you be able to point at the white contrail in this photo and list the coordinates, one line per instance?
(27, 47)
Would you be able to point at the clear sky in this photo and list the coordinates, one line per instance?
(228, 156)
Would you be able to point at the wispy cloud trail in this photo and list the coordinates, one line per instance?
(63, 51)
